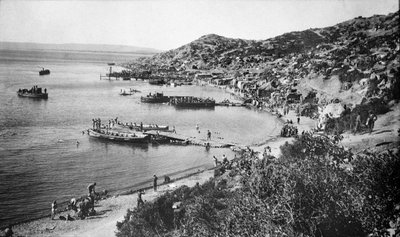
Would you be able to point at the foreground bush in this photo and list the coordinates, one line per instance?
(315, 189)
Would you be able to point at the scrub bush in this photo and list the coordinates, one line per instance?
(316, 188)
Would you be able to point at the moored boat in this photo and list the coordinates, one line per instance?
(144, 127)
(155, 98)
(44, 72)
(134, 90)
(34, 92)
(125, 93)
(119, 136)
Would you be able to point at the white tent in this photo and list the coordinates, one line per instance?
(330, 111)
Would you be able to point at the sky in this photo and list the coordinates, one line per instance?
(165, 24)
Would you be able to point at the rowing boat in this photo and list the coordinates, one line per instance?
(144, 127)
(119, 136)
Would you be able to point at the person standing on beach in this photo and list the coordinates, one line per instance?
(8, 231)
(298, 120)
(208, 135)
(215, 161)
(155, 182)
(139, 199)
(91, 189)
(53, 209)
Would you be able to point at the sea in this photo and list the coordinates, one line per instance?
(44, 155)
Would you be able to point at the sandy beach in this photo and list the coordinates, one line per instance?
(109, 211)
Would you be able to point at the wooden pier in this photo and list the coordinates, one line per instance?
(192, 140)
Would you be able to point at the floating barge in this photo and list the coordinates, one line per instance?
(35, 92)
(155, 98)
(192, 102)
(44, 72)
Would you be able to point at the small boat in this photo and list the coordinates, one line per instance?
(125, 93)
(134, 90)
(119, 136)
(155, 98)
(44, 72)
(145, 127)
(34, 92)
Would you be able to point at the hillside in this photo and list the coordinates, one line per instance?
(317, 186)
(350, 55)
(360, 35)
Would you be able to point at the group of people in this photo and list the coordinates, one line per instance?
(112, 122)
(289, 131)
(224, 162)
(33, 90)
(140, 192)
(96, 122)
(84, 208)
(370, 122)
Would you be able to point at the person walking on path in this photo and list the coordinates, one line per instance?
(358, 123)
(155, 182)
(53, 209)
(208, 135)
(371, 121)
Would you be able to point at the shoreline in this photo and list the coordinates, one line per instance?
(108, 211)
(62, 205)
(33, 225)
(113, 209)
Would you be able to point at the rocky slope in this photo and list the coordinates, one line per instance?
(359, 55)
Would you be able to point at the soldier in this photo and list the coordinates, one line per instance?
(53, 209)
(155, 182)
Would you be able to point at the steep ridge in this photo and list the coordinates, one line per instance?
(360, 54)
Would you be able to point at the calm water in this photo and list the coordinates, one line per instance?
(39, 158)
